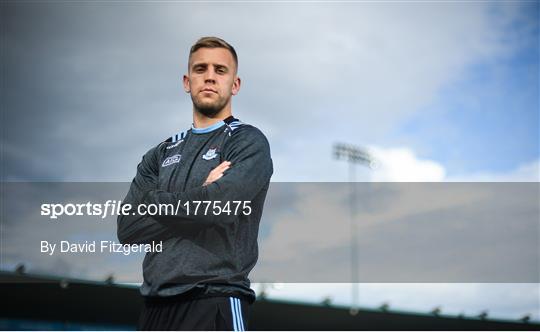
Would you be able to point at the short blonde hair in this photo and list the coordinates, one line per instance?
(213, 42)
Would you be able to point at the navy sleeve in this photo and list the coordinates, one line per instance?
(251, 168)
(139, 229)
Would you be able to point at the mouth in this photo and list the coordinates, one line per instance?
(208, 90)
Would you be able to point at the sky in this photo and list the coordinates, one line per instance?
(435, 91)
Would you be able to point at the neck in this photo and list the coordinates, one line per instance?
(202, 121)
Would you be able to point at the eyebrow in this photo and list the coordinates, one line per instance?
(204, 64)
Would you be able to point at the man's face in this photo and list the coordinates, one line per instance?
(211, 80)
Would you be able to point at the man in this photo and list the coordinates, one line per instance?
(199, 281)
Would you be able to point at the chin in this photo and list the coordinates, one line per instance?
(208, 109)
(209, 113)
(208, 106)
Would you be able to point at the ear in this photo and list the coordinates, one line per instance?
(236, 85)
(187, 86)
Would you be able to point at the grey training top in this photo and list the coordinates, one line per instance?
(210, 254)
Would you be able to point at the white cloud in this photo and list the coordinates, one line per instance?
(402, 165)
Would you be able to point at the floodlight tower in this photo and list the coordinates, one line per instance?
(353, 155)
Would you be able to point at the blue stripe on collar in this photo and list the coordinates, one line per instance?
(207, 129)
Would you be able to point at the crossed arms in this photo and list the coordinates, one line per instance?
(246, 171)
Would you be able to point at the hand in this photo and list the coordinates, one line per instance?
(217, 172)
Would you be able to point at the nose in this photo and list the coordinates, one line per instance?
(209, 76)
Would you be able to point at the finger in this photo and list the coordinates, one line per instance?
(221, 167)
(214, 178)
(225, 163)
(216, 171)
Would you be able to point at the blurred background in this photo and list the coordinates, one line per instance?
(433, 91)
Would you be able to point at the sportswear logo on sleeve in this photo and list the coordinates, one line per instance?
(210, 154)
(174, 145)
(171, 160)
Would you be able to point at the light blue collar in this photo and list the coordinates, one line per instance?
(207, 129)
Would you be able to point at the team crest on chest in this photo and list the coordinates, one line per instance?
(210, 154)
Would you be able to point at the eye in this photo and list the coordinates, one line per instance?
(221, 70)
(199, 69)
